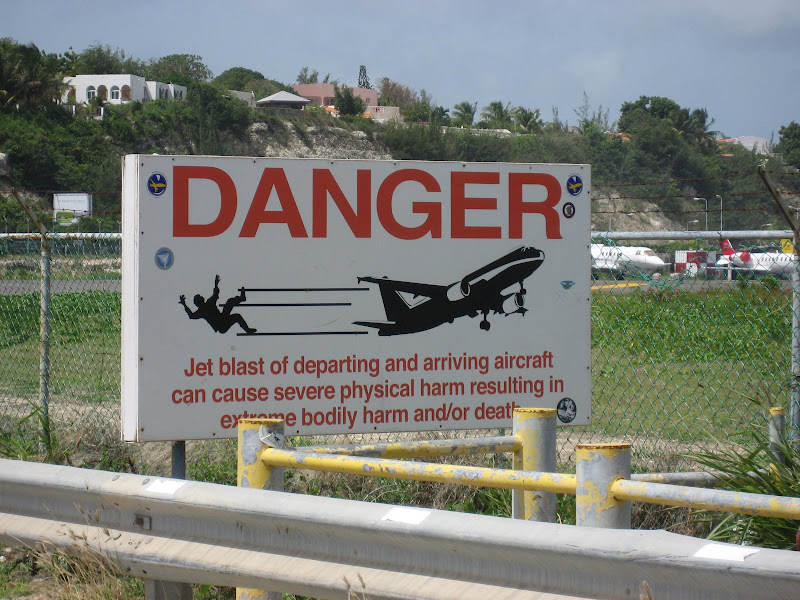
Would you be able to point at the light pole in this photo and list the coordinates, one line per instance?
(720, 211)
(706, 210)
(690, 223)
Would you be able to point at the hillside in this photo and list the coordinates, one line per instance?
(646, 180)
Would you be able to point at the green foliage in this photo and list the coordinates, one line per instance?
(236, 78)
(464, 114)
(29, 78)
(789, 143)
(347, 103)
(214, 462)
(497, 115)
(750, 466)
(392, 93)
(98, 60)
(182, 69)
(305, 77)
(363, 80)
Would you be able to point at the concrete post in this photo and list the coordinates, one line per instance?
(598, 466)
(535, 428)
(254, 436)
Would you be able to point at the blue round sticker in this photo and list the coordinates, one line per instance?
(157, 184)
(574, 185)
(164, 258)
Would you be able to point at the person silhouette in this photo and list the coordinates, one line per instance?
(220, 320)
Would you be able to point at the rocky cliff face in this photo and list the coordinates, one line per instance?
(315, 142)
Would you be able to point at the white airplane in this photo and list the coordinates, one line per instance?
(761, 261)
(625, 260)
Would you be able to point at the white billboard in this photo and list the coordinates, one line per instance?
(351, 296)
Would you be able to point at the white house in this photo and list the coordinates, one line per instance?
(118, 89)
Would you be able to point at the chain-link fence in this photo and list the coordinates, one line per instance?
(680, 360)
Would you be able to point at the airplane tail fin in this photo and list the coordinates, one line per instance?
(726, 247)
(728, 252)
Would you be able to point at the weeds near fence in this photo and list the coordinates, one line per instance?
(751, 467)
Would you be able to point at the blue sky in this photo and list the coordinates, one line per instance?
(738, 59)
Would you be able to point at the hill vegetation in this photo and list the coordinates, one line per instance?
(659, 154)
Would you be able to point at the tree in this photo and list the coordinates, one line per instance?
(655, 106)
(497, 115)
(464, 114)
(789, 143)
(599, 118)
(695, 126)
(236, 78)
(347, 103)
(100, 60)
(183, 69)
(392, 93)
(440, 115)
(363, 80)
(304, 77)
(527, 120)
(28, 76)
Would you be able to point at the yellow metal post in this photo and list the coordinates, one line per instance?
(598, 466)
(535, 428)
(255, 436)
(777, 433)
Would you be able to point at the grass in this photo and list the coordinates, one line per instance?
(84, 345)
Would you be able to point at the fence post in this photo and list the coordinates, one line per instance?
(44, 326)
(255, 435)
(44, 346)
(597, 467)
(777, 433)
(535, 428)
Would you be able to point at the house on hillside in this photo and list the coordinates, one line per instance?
(283, 99)
(757, 144)
(118, 89)
(384, 113)
(323, 93)
(248, 98)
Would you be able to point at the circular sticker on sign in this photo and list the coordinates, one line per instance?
(574, 185)
(164, 258)
(568, 210)
(566, 410)
(157, 184)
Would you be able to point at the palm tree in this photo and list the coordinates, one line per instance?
(464, 114)
(497, 115)
(527, 120)
(440, 116)
(28, 77)
(694, 126)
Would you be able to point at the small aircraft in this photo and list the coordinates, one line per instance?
(625, 260)
(412, 307)
(770, 260)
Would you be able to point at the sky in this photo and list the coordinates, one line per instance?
(738, 59)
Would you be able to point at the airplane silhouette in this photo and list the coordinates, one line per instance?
(412, 307)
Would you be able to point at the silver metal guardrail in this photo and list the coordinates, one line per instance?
(182, 531)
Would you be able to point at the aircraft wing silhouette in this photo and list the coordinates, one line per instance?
(412, 307)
